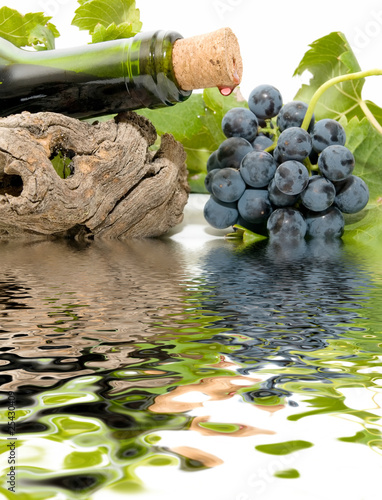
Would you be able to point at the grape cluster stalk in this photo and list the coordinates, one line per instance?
(282, 174)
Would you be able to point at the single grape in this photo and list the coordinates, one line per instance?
(292, 115)
(352, 195)
(327, 224)
(213, 162)
(208, 179)
(291, 177)
(336, 162)
(220, 215)
(265, 101)
(254, 206)
(227, 185)
(286, 224)
(262, 142)
(327, 132)
(280, 199)
(257, 168)
(240, 122)
(319, 194)
(232, 151)
(294, 143)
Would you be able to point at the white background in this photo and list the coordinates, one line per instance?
(273, 35)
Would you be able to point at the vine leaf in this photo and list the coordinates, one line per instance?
(196, 123)
(328, 57)
(107, 20)
(29, 30)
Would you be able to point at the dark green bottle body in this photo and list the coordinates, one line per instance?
(94, 80)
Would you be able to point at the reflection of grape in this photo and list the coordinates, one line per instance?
(286, 182)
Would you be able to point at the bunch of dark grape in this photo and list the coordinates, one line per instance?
(274, 178)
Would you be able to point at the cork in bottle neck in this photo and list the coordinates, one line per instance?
(206, 61)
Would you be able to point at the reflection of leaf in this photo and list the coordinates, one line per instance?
(196, 123)
(107, 20)
(283, 448)
(362, 437)
(32, 29)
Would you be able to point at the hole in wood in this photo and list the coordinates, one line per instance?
(62, 162)
(11, 184)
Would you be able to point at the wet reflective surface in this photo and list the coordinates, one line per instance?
(165, 371)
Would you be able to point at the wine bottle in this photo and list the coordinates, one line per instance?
(150, 70)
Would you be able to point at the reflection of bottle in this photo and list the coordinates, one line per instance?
(149, 70)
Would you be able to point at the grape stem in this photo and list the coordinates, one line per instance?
(338, 79)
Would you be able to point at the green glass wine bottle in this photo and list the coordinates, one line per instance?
(120, 75)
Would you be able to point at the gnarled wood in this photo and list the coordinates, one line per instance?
(118, 188)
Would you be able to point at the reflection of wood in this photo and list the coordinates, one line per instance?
(62, 300)
(118, 187)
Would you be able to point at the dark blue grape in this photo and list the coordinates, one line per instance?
(240, 122)
(227, 185)
(280, 199)
(327, 224)
(286, 224)
(258, 168)
(213, 162)
(294, 143)
(254, 206)
(265, 101)
(291, 177)
(208, 179)
(262, 142)
(232, 151)
(352, 195)
(220, 215)
(327, 132)
(319, 194)
(336, 163)
(292, 115)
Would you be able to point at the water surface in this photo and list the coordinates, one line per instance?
(159, 370)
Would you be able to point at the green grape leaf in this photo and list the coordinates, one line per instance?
(29, 30)
(332, 56)
(196, 123)
(107, 20)
(112, 32)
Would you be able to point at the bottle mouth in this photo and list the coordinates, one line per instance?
(150, 78)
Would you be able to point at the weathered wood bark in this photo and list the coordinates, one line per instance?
(118, 188)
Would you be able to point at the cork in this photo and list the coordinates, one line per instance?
(210, 60)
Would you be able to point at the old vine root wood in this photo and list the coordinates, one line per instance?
(118, 188)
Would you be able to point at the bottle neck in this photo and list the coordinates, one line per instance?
(137, 72)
